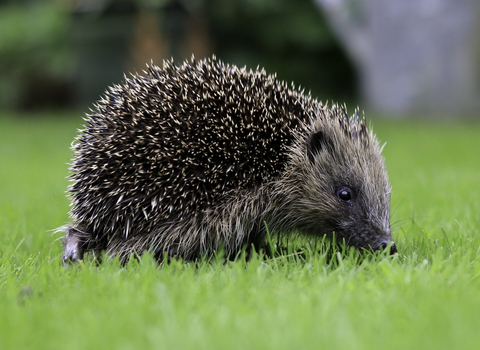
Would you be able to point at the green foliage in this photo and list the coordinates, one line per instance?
(307, 296)
(62, 52)
(32, 48)
(289, 37)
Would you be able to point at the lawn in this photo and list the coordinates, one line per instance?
(426, 297)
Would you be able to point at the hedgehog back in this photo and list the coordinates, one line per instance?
(168, 145)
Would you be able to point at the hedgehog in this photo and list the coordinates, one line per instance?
(184, 161)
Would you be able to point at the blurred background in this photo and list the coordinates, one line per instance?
(394, 58)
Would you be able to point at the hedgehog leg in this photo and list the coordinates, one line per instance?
(125, 249)
(73, 246)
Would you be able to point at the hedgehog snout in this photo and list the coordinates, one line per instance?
(370, 238)
(384, 244)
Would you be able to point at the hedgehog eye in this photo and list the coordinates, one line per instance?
(345, 194)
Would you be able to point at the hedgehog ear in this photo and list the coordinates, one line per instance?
(319, 141)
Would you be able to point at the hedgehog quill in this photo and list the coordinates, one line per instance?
(186, 159)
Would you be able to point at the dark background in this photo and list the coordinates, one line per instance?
(64, 54)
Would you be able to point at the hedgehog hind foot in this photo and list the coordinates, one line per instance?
(73, 246)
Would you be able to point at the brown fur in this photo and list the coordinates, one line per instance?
(192, 158)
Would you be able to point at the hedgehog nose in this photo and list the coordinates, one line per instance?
(393, 247)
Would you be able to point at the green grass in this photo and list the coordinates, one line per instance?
(426, 297)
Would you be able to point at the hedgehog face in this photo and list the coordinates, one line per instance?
(343, 188)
